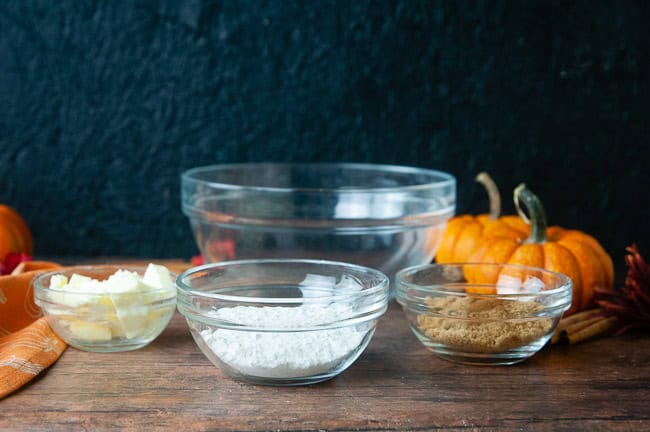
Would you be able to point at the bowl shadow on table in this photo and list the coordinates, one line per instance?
(396, 352)
(393, 352)
(416, 368)
(176, 340)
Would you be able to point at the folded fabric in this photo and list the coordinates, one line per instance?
(28, 345)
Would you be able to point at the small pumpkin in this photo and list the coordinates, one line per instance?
(571, 252)
(15, 235)
(463, 232)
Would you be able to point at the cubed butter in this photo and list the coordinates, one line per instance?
(90, 331)
(123, 302)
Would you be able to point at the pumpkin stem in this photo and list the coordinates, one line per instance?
(493, 194)
(535, 209)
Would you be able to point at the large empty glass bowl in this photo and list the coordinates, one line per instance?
(380, 216)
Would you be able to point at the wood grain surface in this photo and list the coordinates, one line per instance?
(395, 385)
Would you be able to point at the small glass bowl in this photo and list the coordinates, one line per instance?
(103, 322)
(282, 321)
(483, 314)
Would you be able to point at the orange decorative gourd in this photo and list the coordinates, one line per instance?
(463, 232)
(14, 233)
(571, 252)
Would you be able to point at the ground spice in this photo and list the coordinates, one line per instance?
(483, 325)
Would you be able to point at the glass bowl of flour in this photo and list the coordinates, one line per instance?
(282, 321)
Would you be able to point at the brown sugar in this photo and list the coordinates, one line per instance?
(483, 325)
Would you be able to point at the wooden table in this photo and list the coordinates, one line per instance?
(395, 385)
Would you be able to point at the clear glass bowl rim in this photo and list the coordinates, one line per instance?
(444, 179)
(85, 270)
(439, 288)
(378, 293)
(187, 290)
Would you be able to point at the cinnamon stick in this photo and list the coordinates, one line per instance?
(575, 323)
(596, 328)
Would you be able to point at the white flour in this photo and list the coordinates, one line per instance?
(283, 355)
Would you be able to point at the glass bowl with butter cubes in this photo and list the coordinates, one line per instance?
(107, 308)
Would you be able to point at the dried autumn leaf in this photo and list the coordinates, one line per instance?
(631, 303)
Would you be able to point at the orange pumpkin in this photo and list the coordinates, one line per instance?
(14, 233)
(571, 252)
(463, 232)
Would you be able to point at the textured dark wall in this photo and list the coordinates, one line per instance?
(103, 104)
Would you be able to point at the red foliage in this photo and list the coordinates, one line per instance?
(630, 303)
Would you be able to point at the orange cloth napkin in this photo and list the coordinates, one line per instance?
(28, 345)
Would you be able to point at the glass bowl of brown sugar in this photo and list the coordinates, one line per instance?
(483, 314)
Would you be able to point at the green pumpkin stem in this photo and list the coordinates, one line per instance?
(536, 216)
(493, 194)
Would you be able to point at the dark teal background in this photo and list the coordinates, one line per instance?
(103, 104)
